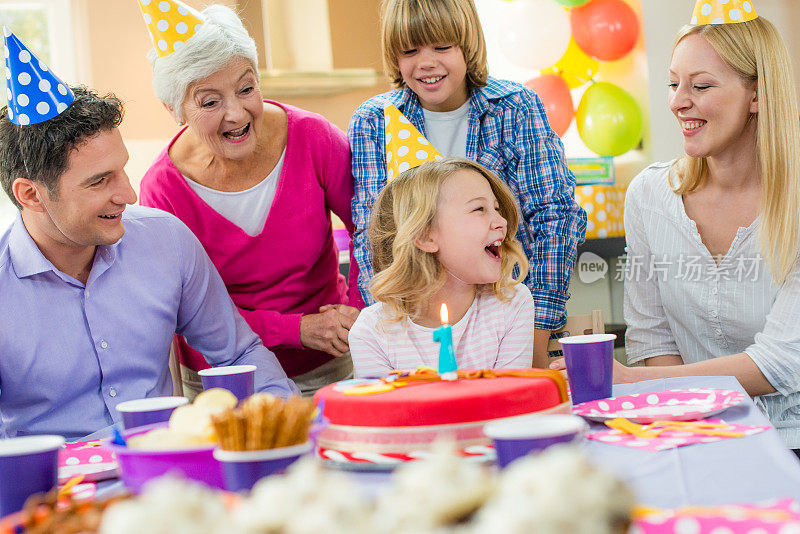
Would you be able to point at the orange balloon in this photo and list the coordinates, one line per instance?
(557, 100)
(605, 29)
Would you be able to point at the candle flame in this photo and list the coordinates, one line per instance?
(443, 313)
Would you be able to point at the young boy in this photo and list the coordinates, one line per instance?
(434, 52)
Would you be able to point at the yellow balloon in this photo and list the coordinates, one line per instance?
(576, 67)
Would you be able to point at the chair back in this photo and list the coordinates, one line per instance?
(175, 369)
(578, 325)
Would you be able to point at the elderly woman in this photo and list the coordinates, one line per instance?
(256, 181)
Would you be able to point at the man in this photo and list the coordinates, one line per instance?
(91, 293)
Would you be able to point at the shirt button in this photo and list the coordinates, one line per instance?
(103, 344)
(713, 314)
(86, 293)
(719, 332)
(112, 392)
(713, 290)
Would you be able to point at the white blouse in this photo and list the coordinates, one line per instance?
(679, 301)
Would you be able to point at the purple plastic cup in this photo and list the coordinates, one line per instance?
(589, 360)
(139, 466)
(518, 436)
(28, 465)
(242, 469)
(142, 412)
(238, 379)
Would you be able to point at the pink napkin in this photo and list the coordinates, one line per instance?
(670, 439)
(87, 458)
(782, 517)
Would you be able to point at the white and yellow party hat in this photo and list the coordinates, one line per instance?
(723, 12)
(406, 148)
(170, 23)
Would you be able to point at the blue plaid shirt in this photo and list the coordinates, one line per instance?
(507, 132)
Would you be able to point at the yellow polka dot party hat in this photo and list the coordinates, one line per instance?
(170, 23)
(406, 148)
(723, 11)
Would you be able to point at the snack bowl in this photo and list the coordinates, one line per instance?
(242, 469)
(138, 466)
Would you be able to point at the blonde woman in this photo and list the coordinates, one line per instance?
(439, 234)
(713, 284)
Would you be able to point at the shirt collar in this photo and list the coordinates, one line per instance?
(28, 260)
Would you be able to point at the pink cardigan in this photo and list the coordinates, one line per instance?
(291, 268)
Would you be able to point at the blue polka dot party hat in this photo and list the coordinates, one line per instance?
(34, 93)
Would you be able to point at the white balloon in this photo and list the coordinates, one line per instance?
(534, 34)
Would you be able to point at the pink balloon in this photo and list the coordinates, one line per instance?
(605, 29)
(557, 100)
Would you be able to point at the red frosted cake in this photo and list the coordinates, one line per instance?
(410, 409)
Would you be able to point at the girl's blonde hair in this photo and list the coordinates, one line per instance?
(406, 278)
(757, 52)
(407, 24)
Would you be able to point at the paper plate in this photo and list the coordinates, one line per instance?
(372, 461)
(674, 405)
(87, 458)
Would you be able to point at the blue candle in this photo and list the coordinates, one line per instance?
(447, 357)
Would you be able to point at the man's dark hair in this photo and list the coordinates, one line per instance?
(40, 152)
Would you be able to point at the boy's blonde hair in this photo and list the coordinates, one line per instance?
(757, 52)
(406, 278)
(407, 24)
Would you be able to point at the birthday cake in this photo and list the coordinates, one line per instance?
(409, 410)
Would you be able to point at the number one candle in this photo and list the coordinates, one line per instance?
(447, 357)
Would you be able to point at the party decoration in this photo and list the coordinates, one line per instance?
(605, 29)
(557, 100)
(572, 3)
(34, 93)
(447, 357)
(170, 23)
(575, 66)
(723, 12)
(604, 206)
(609, 120)
(406, 148)
(535, 33)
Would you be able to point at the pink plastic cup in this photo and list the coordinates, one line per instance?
(28, 465)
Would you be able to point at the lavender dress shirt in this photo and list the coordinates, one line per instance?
(69, 352)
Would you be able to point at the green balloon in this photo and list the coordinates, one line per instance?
(609, 119)
(572, 3)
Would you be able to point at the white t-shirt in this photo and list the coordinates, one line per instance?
(491, 335)
(447, 130)
(246, 209)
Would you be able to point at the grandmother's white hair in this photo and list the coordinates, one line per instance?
(221, 38)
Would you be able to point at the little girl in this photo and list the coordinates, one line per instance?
(439, 234)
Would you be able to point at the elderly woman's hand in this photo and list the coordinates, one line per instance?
(327, 331)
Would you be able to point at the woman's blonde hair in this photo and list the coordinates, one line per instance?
(406, 277)
(757, 52)
(407, 24)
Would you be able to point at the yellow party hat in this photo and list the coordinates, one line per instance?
(406, 148)
(723, 11)
(170, 23)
